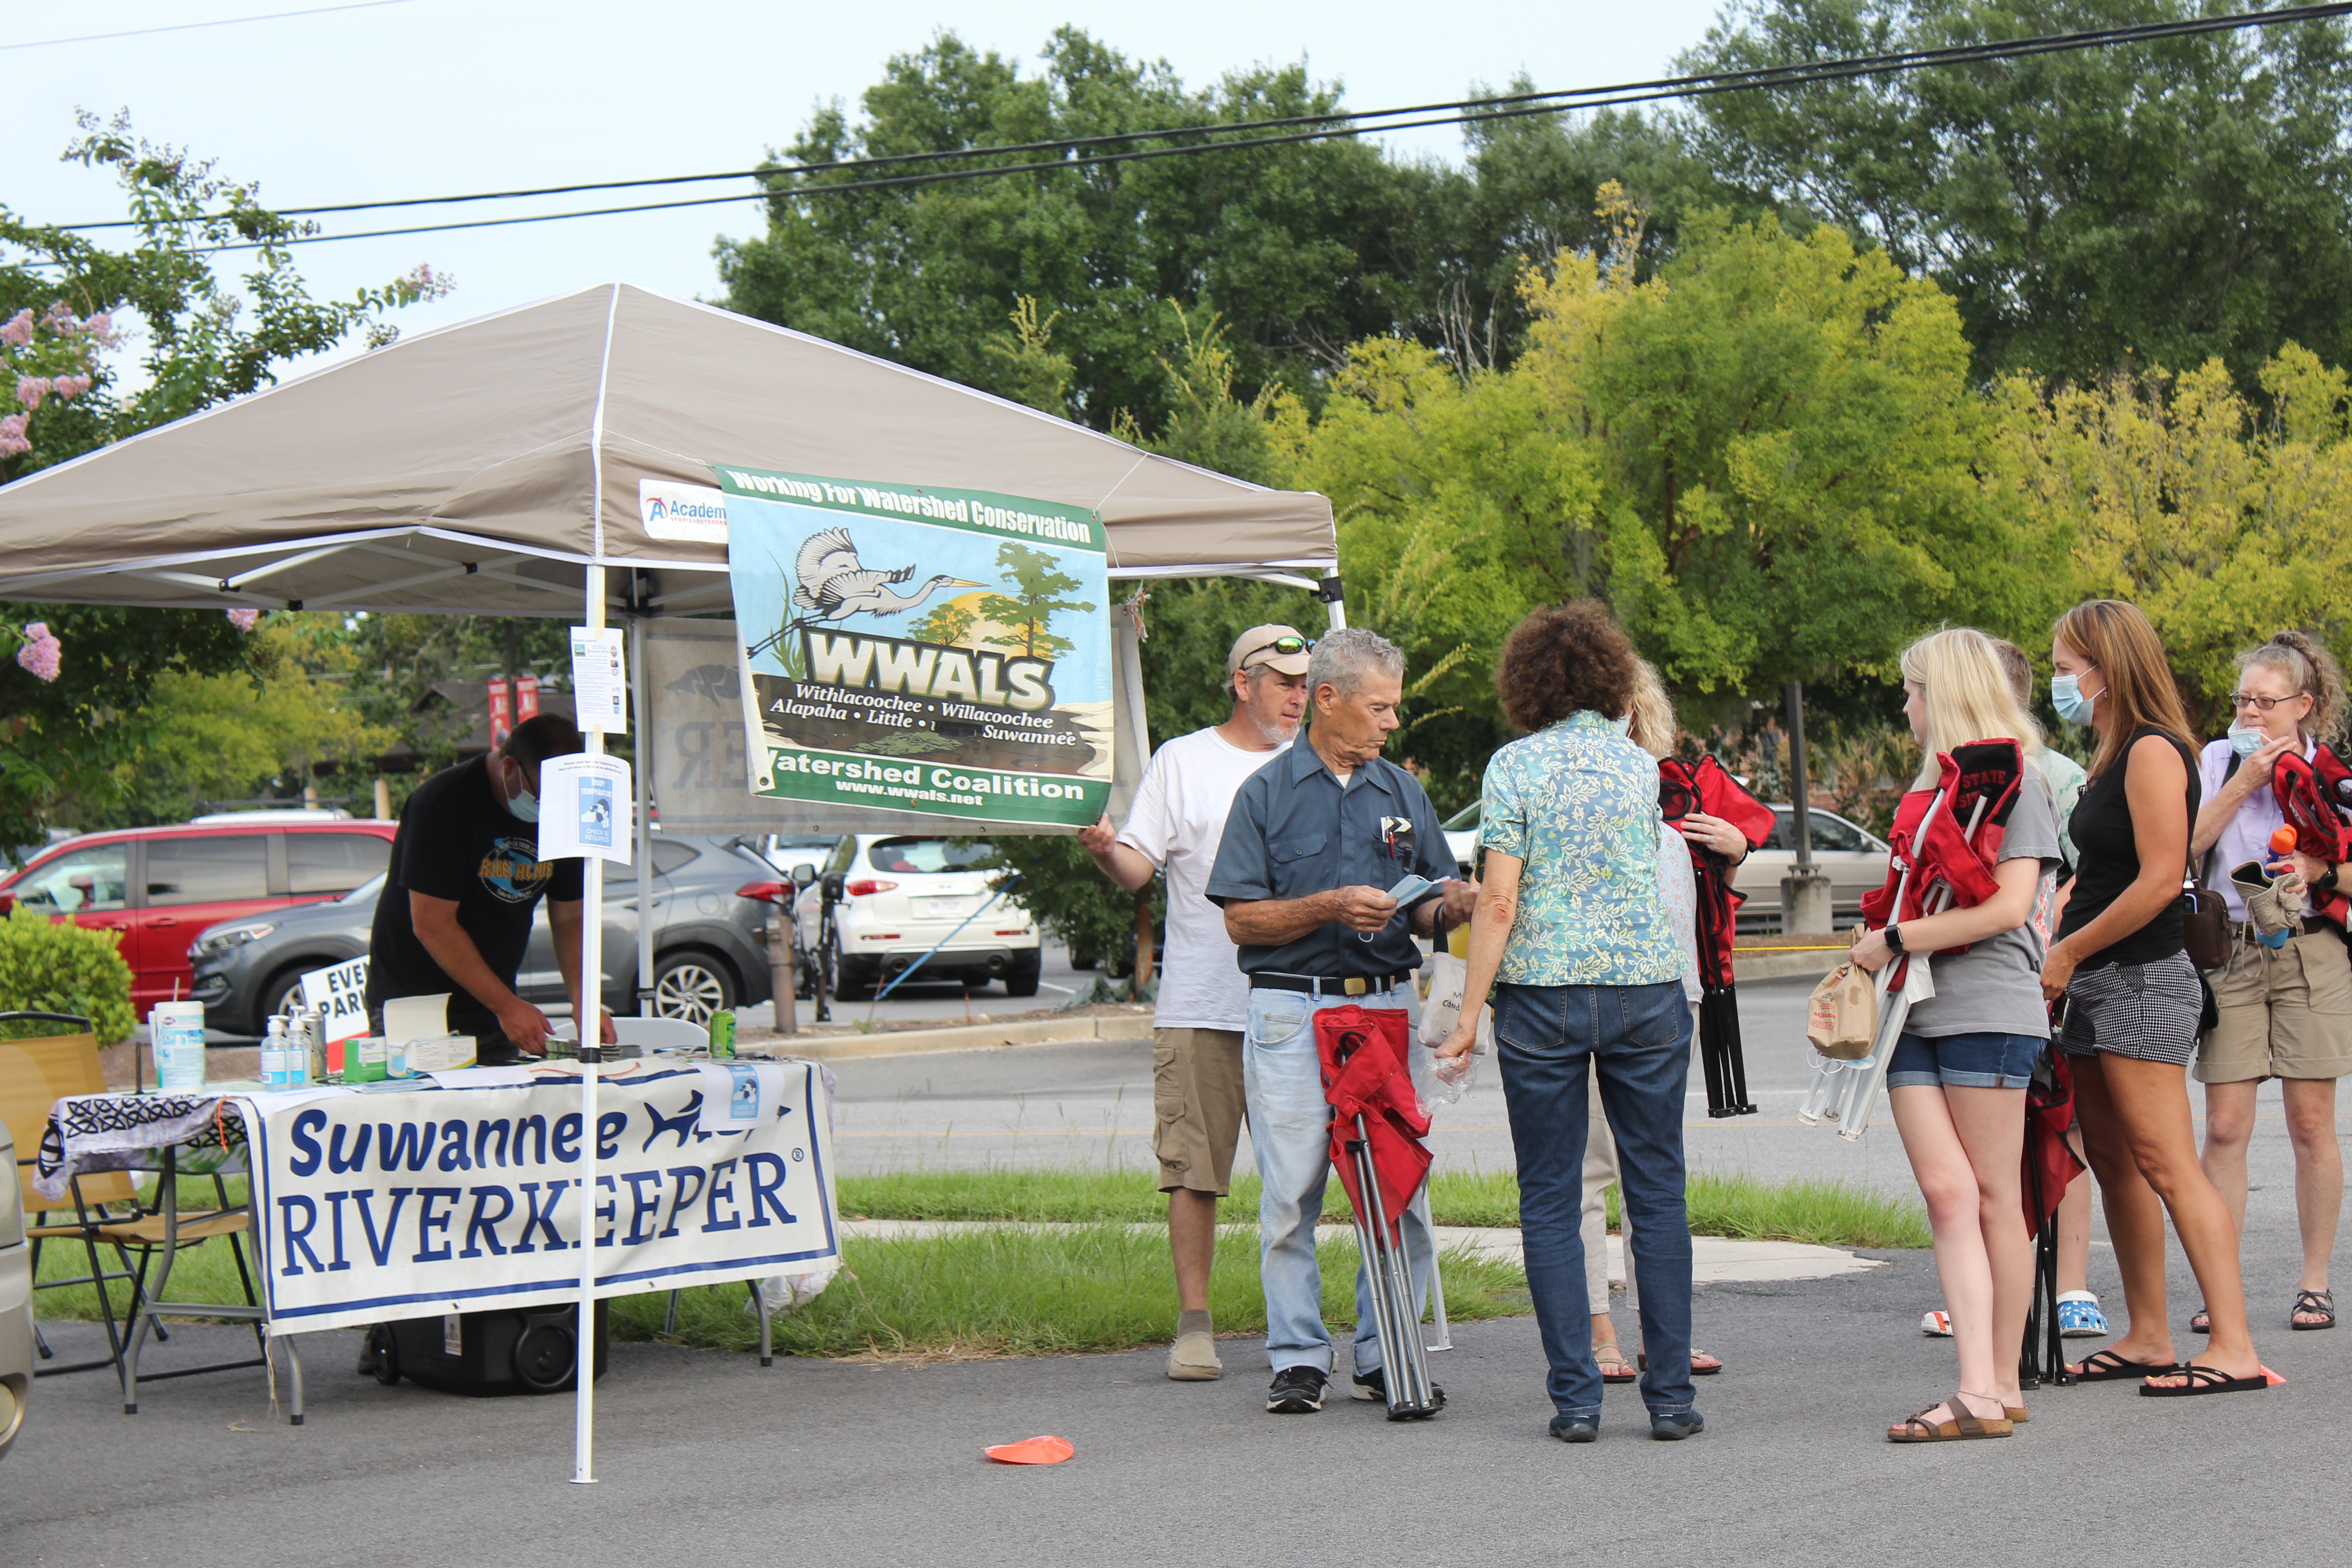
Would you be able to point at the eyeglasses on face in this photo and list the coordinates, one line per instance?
(2264, 704)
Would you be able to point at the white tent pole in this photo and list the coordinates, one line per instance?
(587, 1009)
(639, 704)
(586, 1012)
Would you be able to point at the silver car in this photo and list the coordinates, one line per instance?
(709, 947)
(15, 1301)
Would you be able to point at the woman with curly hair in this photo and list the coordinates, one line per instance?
(1573, 939)
(2282, 1011)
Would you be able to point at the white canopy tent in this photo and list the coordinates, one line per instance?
(497, 468)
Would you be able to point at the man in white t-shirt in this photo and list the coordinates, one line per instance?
(1177, 821)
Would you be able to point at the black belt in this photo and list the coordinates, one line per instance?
(1334, 984)
(2313, 925)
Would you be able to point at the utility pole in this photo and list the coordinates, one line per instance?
(1805, 907)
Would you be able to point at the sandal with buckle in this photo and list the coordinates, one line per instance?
(2319, 1304)
(1614, 1367)
(1965, 1425)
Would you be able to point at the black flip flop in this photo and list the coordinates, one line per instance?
(2106, 1366)
(2313, 1302)
(2204, 1380)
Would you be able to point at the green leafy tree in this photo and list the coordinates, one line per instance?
(947, 624)
(1044, 593)
(2156, 204)
(68, 310)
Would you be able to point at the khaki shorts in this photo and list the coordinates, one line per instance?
(1198, 1107)
(2284, 1014)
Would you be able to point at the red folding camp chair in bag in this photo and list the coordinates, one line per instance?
(1377, 1126)
(2316, 798)
(1703, 787)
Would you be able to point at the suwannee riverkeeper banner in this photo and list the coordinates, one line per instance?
(915, 649)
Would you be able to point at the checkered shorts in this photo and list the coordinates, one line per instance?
(2144, 1011)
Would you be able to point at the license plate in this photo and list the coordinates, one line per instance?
(942, 908)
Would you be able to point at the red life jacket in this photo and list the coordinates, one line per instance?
(1977, 780)
(1704, 786)
(2316, 798)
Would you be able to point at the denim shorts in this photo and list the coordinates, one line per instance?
(1964, 1061)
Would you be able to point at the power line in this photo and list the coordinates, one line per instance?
(192, 27)
(1330, 126)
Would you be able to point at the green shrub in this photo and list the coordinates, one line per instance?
(60, 967)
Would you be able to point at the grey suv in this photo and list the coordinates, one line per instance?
(709, 947)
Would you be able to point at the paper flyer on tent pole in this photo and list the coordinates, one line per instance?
(916, 648)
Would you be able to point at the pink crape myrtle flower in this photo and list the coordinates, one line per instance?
(69, 386)
(31, 389)
(42, 653)
(100, 328)
(244, 620)
(18, 332)
(12, 436)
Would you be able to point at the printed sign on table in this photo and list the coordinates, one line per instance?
(413, 1203)
(341, 995)
(915, 649)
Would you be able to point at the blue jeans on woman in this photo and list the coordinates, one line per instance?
(1637, 1038)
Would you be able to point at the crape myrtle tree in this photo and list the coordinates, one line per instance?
(98, 344)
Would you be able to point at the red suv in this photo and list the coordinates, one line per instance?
(160, 885)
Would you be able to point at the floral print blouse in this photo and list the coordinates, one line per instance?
(1577, 804)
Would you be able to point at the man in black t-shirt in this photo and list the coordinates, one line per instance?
(456, 911)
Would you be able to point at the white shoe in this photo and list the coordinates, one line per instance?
(1193, 1358)
(1937, 1324)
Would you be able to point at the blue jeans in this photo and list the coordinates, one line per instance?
(1290, 1125)
(1637, 1038)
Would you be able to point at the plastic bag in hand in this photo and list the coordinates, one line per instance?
(1450, 1076)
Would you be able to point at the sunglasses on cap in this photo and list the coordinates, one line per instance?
(1281, 647)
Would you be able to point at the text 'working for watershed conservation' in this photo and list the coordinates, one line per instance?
(914, 648)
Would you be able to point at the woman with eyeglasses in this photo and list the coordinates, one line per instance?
(2284, 1002)
(2133, 1000)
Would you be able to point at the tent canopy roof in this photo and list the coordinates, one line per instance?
(477, 469)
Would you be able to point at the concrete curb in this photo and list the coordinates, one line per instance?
(1783, 965)
(962, 1038)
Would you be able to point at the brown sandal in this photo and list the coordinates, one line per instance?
(1614, 1367)
(1965, 1424)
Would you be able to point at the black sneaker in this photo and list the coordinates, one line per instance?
(1374, 1385)
(1296, 1391)
(1676, 1425)
(1576, 1429)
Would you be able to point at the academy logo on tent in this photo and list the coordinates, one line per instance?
(693, 513)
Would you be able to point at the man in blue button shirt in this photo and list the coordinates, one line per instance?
(1313, 843)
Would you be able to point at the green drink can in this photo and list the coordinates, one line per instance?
(722, 1035)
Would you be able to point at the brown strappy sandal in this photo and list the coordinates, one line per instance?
(1965, 1425)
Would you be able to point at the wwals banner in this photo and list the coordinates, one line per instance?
(408, 1203)
(913, 649)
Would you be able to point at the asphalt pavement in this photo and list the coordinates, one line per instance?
(704, 1453)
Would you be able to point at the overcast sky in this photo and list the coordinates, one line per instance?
(431, 97)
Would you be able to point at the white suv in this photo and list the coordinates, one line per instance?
(904, 895)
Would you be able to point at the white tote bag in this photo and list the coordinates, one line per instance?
(1448, 977)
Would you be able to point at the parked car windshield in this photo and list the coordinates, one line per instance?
(926, 855)
(1464, 819)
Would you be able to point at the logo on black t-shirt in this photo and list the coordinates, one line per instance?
(512, 871)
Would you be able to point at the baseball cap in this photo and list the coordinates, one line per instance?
(1281, 648)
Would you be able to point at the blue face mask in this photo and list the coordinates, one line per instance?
(2245, 742)
(2066, 696)
(522, 806)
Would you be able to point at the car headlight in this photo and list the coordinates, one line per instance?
(213, 942)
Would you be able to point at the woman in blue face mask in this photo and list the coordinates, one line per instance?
(2283, 1002)
(2133, 1000)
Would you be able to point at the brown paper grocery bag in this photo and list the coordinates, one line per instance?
(1842, 1018)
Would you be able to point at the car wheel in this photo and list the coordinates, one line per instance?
(1021, 980)
(273, 995)
(692, 985)
(847, 984)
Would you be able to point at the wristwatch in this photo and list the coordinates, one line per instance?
(2326, 881)
(1895, 939)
